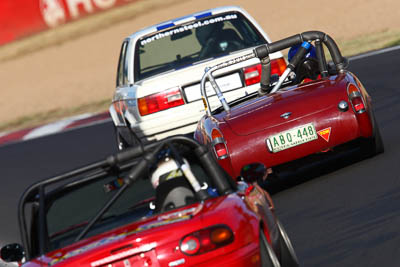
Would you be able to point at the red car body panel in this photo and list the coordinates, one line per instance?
(155, 241)
(246, 126)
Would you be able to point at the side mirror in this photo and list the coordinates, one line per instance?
(253, 171)
(12, 252)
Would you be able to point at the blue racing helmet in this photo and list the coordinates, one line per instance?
(310, 52)
(308, 65)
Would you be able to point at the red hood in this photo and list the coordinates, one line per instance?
(265, 112)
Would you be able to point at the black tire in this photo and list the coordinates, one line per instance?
(377, 143)
(121, 143)
(267, 255)
(125, 137)
(288, 255)
(374, 145)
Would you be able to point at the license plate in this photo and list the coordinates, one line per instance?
(293, 137)
(226, 83)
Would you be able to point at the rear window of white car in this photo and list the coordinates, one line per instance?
(199, 40)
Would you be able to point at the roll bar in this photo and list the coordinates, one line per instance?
(147, 154)
(262, 52)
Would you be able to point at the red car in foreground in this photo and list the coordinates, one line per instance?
(313, 108)
(163, 204)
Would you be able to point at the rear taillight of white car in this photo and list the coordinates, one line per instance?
(355, 98)
(206, 240)
(160, 101)
(252, 74)
(278, 66)
(218, 144)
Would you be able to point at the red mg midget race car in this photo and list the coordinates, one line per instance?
(167, 203)
(313, 107)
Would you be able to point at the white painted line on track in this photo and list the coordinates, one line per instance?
(53, 127)
(47, 129)
(374, 53)
(90, 124)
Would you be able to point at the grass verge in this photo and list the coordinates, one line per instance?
(53, 115)
(369, 42)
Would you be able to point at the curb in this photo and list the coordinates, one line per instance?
(79, 121)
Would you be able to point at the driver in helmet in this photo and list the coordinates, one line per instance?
(166, 169)
(169, 174)
(172, 188)
(307, 69)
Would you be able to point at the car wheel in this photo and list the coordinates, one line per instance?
(121, 143)
(288, 255)
(125, 138)
(267, 255)
(374, 145)
(378, 142)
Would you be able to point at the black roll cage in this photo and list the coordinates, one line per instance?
(144, 155)
(262, 52)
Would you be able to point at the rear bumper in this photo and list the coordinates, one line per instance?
(182, 119)
(319, 163)
(343, 130)
(246, 256)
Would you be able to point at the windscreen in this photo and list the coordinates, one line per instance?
(71, 207)
(199, 40)
(70, 212)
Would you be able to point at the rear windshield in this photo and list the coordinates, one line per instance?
(185, 45)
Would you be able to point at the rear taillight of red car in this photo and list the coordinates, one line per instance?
(252, 74)
(160, 101)
(356, 99)
(218, 144)
(206, 240)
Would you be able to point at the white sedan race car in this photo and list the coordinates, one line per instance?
(160, 67)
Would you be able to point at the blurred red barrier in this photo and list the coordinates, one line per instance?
(20, 18)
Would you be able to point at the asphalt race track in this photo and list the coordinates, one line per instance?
(347, 217)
